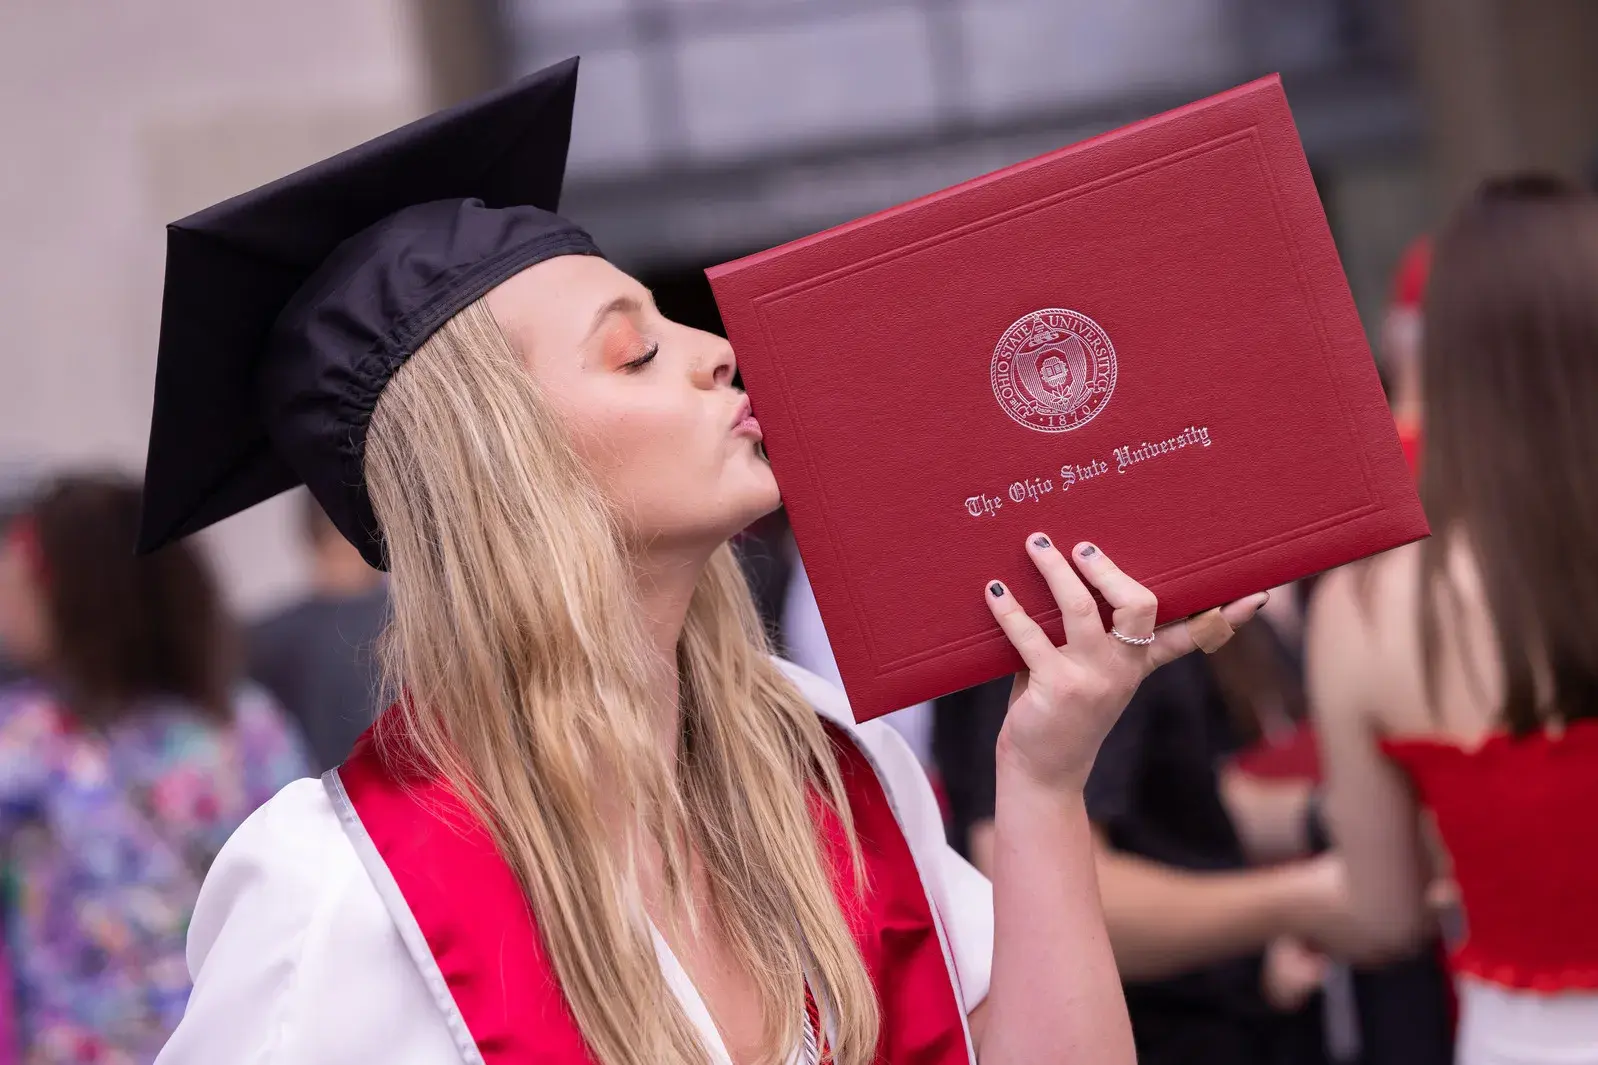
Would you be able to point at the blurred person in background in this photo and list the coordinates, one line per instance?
(965, 735)
(17, 492)
(1461, 674)
(318, 656)
(123, 769)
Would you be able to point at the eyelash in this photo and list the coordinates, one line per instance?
(644, 359)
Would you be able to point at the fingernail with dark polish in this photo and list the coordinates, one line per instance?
(1088, 550)
(1040, 541)
(996, 589)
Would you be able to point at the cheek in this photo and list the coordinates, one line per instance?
(665, 459)
(642, 451)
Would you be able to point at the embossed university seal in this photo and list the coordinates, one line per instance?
(1054, 370)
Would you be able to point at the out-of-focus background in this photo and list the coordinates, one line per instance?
(705, 129)
(708, 129)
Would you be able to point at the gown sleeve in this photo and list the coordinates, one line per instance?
(294, 957)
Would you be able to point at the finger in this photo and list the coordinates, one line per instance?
(1210, 630)
(1018, 686)
(1078, 610)
(1134, 605)
(1025, 635)
(1176, 639)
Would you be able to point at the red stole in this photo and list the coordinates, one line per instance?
(476, 924)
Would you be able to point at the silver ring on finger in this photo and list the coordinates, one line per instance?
(1132, 641)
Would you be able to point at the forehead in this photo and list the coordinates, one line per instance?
(553, 303)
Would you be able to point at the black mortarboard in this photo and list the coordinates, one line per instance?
(288, 309)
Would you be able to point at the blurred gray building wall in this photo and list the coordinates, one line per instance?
(117, 117)
(706, 128)
(709, 128)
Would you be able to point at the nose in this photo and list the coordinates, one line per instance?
(716, 365)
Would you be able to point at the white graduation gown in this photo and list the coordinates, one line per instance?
(296, 961)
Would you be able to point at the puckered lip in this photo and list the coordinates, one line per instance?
(746, 425)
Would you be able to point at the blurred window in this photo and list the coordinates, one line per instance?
(794, 114)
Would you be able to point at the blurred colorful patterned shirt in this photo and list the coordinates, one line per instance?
(106, 837)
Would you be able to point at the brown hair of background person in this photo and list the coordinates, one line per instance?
(1511, 385)
(119, 627)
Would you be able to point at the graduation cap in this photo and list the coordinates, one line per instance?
(289, 308)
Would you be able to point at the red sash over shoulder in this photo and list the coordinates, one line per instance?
(470, 929)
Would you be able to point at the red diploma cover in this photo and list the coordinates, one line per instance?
(1144, 340)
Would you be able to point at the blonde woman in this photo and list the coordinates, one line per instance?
(602, 824)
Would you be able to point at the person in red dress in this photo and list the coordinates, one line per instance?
(1460, 675)
(602, 824)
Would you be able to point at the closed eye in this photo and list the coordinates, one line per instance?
(643, 360)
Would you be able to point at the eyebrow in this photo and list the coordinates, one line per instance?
(619, 305)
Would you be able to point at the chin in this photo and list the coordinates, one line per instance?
(762, 499)
(746, 494)
(754, 495)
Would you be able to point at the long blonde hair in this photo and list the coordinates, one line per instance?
(514, 636)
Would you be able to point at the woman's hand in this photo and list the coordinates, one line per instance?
(1064, 702)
